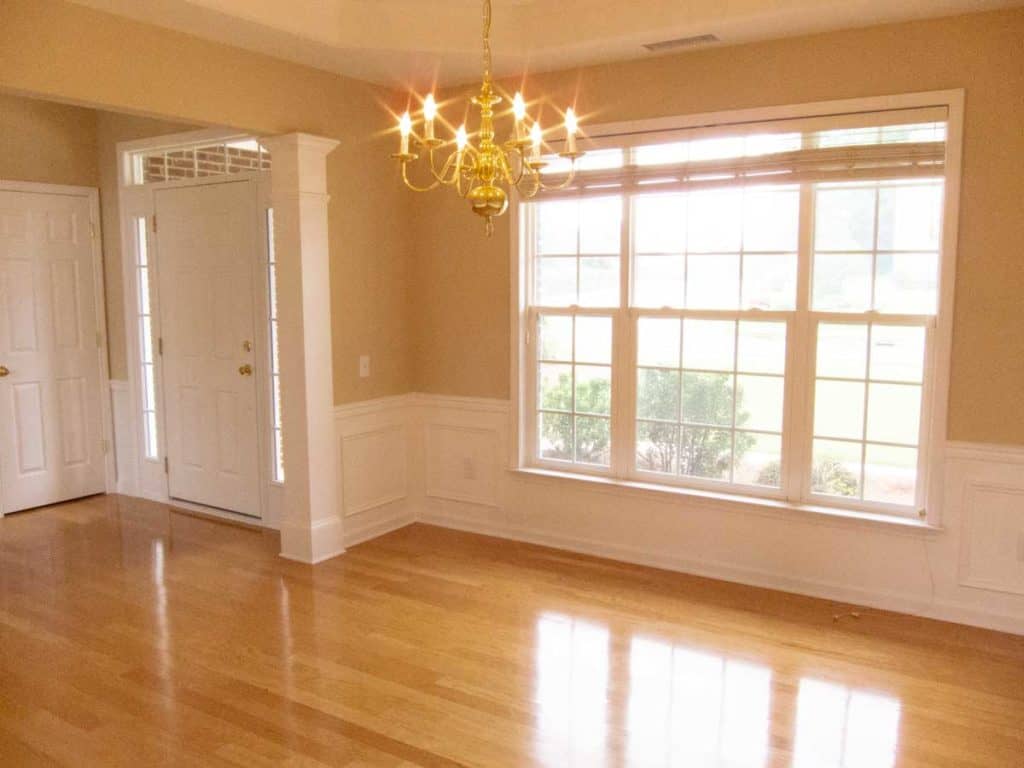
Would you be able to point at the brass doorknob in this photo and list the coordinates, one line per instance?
(245, 370)
(4, 371)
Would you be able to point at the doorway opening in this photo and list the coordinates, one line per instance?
(199, 281)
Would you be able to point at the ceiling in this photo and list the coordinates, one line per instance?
(401, 42)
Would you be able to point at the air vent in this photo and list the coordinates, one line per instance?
(681, 42)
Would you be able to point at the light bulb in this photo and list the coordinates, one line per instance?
(518, 106)
(405, 124)
(535, 135)
(461, 139)
(429, 108)
(570, 121)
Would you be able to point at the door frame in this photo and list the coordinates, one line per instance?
(92, 195)
(148, 477)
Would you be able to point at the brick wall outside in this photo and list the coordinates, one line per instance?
(191, 163)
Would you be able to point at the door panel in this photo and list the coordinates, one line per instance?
(51, 437)
(207, 257)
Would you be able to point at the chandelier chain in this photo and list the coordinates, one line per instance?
(487, 40)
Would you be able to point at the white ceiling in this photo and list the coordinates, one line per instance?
(400, 42)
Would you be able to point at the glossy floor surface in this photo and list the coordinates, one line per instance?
(133, 635)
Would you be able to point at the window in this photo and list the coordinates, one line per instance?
(750, 309)
(198, 160)
(147, 340)
(277, 468)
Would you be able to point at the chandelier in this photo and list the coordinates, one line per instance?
(480, 172)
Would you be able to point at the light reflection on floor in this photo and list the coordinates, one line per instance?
(693, 708)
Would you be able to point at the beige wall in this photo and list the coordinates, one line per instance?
(47, 143)
(461, 279)
(70, 53)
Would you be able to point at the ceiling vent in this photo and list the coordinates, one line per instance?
(681, 42)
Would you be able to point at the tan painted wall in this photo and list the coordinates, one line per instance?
(70, 53)
(461, 279)
(47, 143)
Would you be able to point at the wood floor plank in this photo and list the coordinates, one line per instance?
(134, 634)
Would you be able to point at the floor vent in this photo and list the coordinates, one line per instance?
(681, 42)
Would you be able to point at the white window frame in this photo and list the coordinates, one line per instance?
(799, 363)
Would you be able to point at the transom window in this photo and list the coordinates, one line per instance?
(751, 312)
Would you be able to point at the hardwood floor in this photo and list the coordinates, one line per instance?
(135, 635)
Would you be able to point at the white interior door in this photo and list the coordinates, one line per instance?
(51, 436)
(206, 259)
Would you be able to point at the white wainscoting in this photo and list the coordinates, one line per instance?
(374, 439)
(446, 461)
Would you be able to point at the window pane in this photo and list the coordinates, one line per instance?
(890, 474)
(909, 218)
(842, 350)
(713, 281)
(658, 342)
(593, 437)
(758, 459)
(556, 337)
(659, 223)
(556, 436)
(657, 394)
(907, 283)
(555, 387)
(716, 148)
(661, 154)
(707, 398)
(147, 339)
(594, 340)
(148, 388)
(715, 221)
(708, 344)
(897, 353)
(836, 468)
(152, 448)
(599, 282)
(557, 223)
(656, 447)
(600, 225)
(762, 347)
(705, 452)
(556, 282)
(894, 413)
(771, 219)
(839, 409)
(593, 389)
(759, 403)
(842, 282)
(769, 280)
(143, 275)
(844, 219)
(659, 281)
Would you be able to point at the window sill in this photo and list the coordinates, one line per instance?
(739, 503)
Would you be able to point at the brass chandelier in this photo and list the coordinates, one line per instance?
(480, 172)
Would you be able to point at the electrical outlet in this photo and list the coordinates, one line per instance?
(364, 366)
(468, 469)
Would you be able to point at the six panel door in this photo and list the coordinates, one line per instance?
(51, 437)
(206, 257)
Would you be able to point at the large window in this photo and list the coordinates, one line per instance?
(749, 310)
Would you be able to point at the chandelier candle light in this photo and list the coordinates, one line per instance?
(480, 171)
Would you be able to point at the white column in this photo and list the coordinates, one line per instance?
(311, 522)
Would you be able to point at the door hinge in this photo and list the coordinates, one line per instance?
(92, 228)
(106, 446)
(99, 340)
(167, 466)
(160, 346)
(154, 223)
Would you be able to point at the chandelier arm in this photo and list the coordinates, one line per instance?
(413, 187)
(442, 176)
(562, 184)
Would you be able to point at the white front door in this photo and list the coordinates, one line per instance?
(207, 256)
(51, 436)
